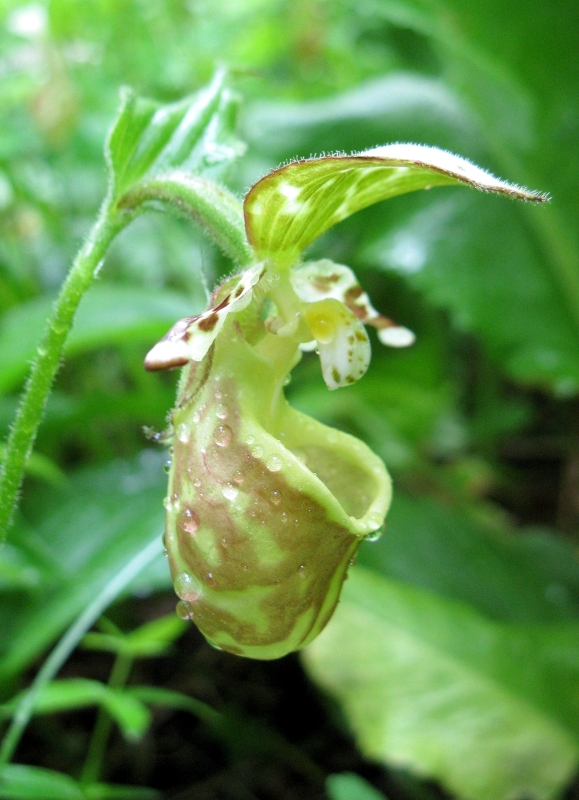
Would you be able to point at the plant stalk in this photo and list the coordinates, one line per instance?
(47, 361)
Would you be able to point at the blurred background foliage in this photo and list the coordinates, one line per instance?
(454, 655)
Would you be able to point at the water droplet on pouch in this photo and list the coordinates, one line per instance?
(218, 395)
(302, 571)
(182, 433)
(250, 440)
(184, 610)
(223, 435)
(238, 477)
(190, 521)
(275, 497)
(229, 492)
(375, 535)
(197, 483)
(210, 580)
(284, 516)
(167, 466)
(221, 411)
(274, 463)
(257, 451)
(196, 417)
(187, 588)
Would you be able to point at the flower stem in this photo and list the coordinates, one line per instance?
(47, 361)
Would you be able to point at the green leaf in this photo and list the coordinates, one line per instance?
(488, 709)
(524, 576)
(128, 712)
(22, 782)
(151, 639)
(349, 786)
(154, 695)
(108, 314)
(292, 206)
(150, 139)
(156, 154)
(17, 570)
(89, 529)
(477, 260)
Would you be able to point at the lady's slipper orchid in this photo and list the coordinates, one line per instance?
(267, 507)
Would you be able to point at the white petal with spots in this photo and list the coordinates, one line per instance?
(342, 342)
(190, 338)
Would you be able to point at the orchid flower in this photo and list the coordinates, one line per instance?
(266, 507)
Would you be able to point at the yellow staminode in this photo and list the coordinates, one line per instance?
(323, 319)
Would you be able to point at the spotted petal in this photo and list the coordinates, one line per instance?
(342, 342)
(293, 205)
(190, 338)
(320, 280)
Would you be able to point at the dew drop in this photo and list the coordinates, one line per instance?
(187, 588)
(167, 466)
(284, 516)
(257, 451)
(229, 492)
(223, 435)
(184, 610)
(221, 411)
(238, 477)
(250, 440)
(182, 433)
(190, 521)
(196, 417)
(274, 463)
(167, 503)
(210, 580)
(302, 571)
(197, 483)
(275, 497)
(218, 395)
(375, 535)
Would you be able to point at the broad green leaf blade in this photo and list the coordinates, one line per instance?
(522, 576)
(480, 264)
(17, 571)
(22, 782)
(431, 686)
(292, 206)
(349, 786)
(108, 314)
(118, 510)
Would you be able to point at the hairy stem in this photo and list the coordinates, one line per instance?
(47, 361)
